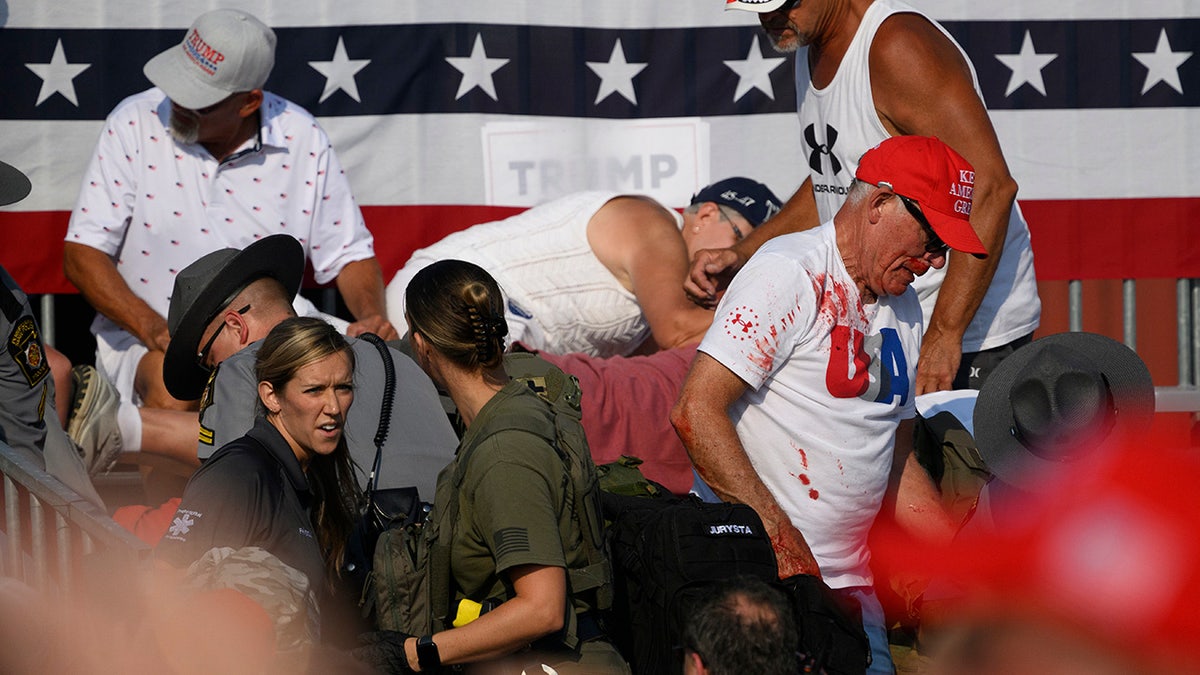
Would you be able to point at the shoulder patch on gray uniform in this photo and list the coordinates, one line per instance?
(25, 347)
(206, 400)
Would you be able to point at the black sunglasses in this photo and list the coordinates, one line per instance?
(737, 234)
(787, 6)
(202, 355)
(933, 243)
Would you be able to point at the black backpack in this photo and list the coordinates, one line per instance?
(665, 552)
(832, 639)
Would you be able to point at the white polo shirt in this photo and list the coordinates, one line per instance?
(156, 206)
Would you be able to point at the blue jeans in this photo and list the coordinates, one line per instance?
(701, 489)
(873, 623)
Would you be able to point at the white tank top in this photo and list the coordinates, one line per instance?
(560, 297)
(839, 123)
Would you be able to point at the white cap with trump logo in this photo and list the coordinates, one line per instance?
(224, 52)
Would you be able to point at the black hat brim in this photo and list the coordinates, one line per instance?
(280, 257)
(14, 185)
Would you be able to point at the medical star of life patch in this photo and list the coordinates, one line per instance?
(182, 524)
(25, 347)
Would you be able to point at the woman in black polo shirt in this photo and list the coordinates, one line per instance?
(288, 485)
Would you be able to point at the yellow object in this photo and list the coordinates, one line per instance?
(468, 611)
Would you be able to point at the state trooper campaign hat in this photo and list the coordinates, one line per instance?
(224, 52)
(14, 185)
(753, 200)
(1057, 400)
(206, 287)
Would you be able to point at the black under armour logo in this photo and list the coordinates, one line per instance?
(818, 149)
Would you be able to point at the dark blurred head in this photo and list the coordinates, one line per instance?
(742, 626)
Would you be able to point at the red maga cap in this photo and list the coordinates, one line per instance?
(932, 174)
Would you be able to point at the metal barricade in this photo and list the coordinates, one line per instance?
(1184, 397)
(51, 533)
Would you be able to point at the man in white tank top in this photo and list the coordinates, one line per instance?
(874, 69)
(598, 272)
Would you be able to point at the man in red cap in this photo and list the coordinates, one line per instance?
(795, 401)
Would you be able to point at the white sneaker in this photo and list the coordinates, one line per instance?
(93, 421)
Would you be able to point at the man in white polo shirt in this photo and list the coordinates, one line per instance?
(207, 160)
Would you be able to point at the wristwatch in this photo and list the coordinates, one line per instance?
(427, 654)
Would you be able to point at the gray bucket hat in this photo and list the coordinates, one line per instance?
(206, 287)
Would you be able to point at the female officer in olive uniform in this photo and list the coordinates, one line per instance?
(515, 537)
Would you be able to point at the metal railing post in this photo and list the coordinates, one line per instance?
(1075, 305)
(37, 539)
(1129, 311)
(66, 570)
(1194, 317)
(12, 518)
(1185, 335)
(47, 323)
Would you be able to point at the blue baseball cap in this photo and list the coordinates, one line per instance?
(753, 200)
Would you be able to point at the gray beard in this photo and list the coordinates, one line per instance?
(785, 49)
(184, 133)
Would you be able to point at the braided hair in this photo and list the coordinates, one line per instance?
(458, 307)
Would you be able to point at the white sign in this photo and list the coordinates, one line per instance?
(528, 163)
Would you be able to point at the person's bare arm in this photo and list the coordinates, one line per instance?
(361, 286)
(711, 269)
(922, 85)
(536, 610)
(701, 418)
(95, 275)
(171, 433)
(638, 241)
(912, 499)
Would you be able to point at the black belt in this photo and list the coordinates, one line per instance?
(586, 630)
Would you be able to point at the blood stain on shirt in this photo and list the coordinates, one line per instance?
(803, 454)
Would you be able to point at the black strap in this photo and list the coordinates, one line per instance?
(385, 411)
(11, 306)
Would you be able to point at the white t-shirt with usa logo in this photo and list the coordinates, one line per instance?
(830, 379)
